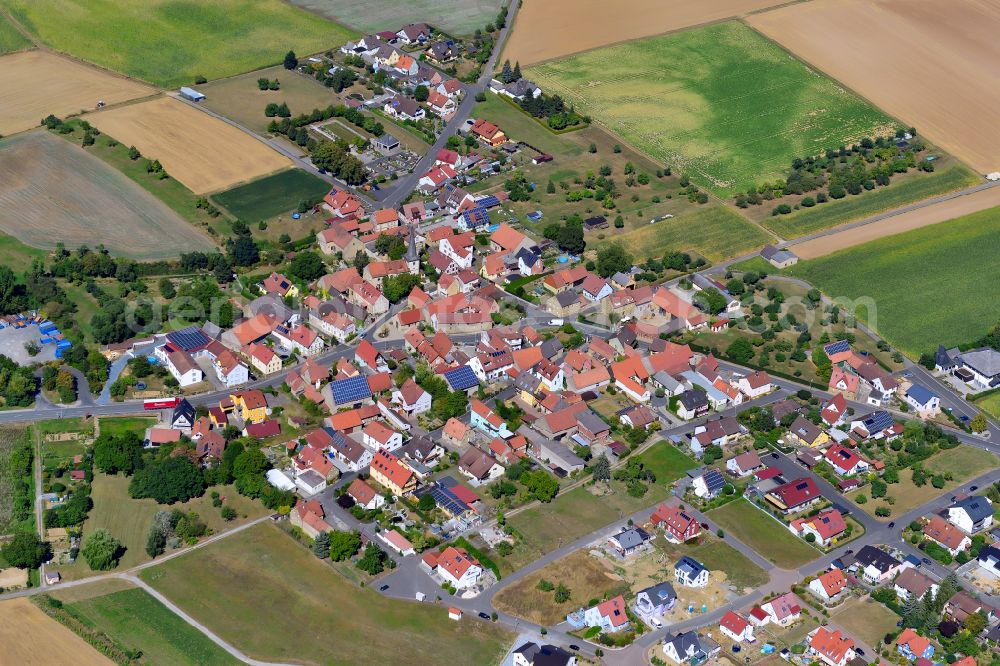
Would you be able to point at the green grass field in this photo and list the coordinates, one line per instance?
(867, 619)
(117, 425)
(666, 461)
(272, 195)
(722, 103)
(715, 232)
(16, 255)
(924, 287)
(259, 588)
(10, 37)
(990, 404)
(915, 188)
(137, 621)
(170, 42)
(460, 17)
(763, 533)
(720, 556)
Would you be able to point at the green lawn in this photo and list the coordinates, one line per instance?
(920, 288)
(519, 126)
(666, 461)
(720, 556)
(271, 598)
(117, 425)
(867, 619)
(990, 404)
(715, 232)
(11, 38)
(272, 195)
(170, 42)
(764, 534)
(137, 621)
(16, 255)
(917, 187)
(721, 102)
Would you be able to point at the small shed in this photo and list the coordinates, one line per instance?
(454, 613)
(385, 143)
(191, 94)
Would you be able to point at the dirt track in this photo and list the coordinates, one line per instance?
(933, 64)
(200, 151)
(36, 84)
(547, 29)
(922, 217)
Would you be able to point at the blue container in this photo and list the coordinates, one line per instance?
(44, 340)
(64, 344)
(296, 216)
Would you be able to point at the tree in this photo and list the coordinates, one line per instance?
(562, 594)
(344, 545)
(978, 423)
(506, 74)
(156, 541)
(291, 62)
(374, 560)
(321, 546)
(25, 551)
(118, 453)
(168, 480)
(613, 259)
(570, 238)
(167, 289)
(602, 468)
(228, 513)
(711, 299)
(516, 74)
(541, 484)
(421, 93)
(101, 550)
(740, 350)
(307, 265)
(244, 251)
(426, 503)
(398, 287)
(974, 623)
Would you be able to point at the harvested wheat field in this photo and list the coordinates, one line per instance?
(30, 637)
(891, 225)
(935, 65)
(51, 190)
(546, 29)
(203, 152)
(36, 84)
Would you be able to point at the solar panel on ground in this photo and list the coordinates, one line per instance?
(188, 338)
(461, 378)
(352, 389)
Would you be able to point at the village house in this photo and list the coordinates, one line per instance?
(783, 610)
(389, 472)
(744, 464)
(689, 648)
(826, 526)
(532, 654)
(310, 518)
(913, 646)
(487, 133)
(972, 514)
(795, 496)
(913, 584)
(829, 586)
(876, 565)
(678, 526)
(609, 615)
(263, 358)
(455, 567)
(479, 466)
(946, 535)
(689, 572)
(831, 647)
(365, 496)
(629, 540)
(736, 628)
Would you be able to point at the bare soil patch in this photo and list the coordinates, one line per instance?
(36, 84)
(546, 29)
(936, 62)
(897, 224)
(202, 152)
(31, 638)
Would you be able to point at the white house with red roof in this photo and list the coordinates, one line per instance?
(412, 398)
(454, 566)
(832, 647)
(782, 610)
(437, 177)
(377, 435)
(736, 627)
(365, 496)
(844, 461)
(310, 518)
(610, 615)
(826, 526)
(830, 585)
(299, 338)
(834, 410)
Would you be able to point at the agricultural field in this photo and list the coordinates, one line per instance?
(135, 620)
(763, 533)
(721, 103)
(547, 29)
(11, 38)
(272, 195)
(52, 191)
(202, 152)
(169, 43)
(940, 92)
(913, 308)
(37, 83)
(15, 476)
(906, 190)
(128, 519)
(29, 636)
(257, 588)
(240, 99)
(457, 17)
(715, 232)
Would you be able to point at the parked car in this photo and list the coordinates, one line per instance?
(973, 489)
(891, 525)
(926, 560)
(383, 588)
(574, 648)
(485, 616)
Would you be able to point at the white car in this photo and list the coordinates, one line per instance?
(656, 622)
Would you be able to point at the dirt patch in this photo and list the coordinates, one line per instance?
(546, 29)
(897, 224)
(31, 638)
(942, 91)
(11, 578)
(51, 191)
(36, 84)
(202, 152)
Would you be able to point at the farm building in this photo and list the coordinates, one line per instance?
(191, 94)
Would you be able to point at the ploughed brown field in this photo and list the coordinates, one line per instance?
(202, 152)
(932, 64)
(547, 29)
(36, 84)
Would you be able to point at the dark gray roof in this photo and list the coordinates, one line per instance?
(689, 566)
(977, 507)
(694, 399)
(660, 592)
(984, 361)
(592, 421)
(567, 298)
(943, 358)
(551, 348)
(877, 421)
(684, 643)
(714, 480)
(881, 560)
(544, 655)
(630, 538)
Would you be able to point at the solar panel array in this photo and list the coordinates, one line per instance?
(445, 499)
(352, 389)
(488, 201)
(476, 217)
(188, 338)
(838, 347)
(461, 378)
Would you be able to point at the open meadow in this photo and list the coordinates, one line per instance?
(867, 619)
(15, 476)
(915, 308)
(170, 42)
(458, 17)
(721, 103)
(11, 38)
(202, 152)
(36, 84)
(52, 191)
(258, 588)
(763, 533)
(31, 638)
(547, 29)
(135, 620)
(272, 195)
(931, 64)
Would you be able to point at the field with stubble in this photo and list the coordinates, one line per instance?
(31, 638)
(931, 64)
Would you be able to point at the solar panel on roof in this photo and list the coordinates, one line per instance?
(188, 338)
(352, 389)
(488, 201)
(838, 347)
(461, 378)
(446, 500)
(476, 217)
